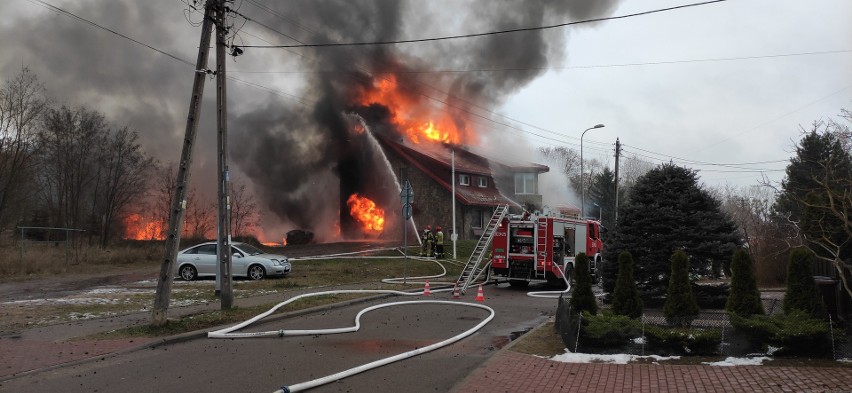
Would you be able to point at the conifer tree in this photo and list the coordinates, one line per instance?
(802, 292)
(680, 308)
(668, 210)
(626, 300)
(744, 298)
(583, 299)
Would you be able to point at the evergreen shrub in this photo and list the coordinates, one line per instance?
(582, 298)
(684, 340)
(608, 330)
(680, 308)
(626, 300)
(802, 293)
(794, 334)
(744, 298)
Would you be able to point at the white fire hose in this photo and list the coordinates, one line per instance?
(229, 332)
(553, 294)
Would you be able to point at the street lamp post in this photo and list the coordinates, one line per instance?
(582, 175)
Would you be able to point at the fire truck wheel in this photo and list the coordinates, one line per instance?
(596, 277)
(569, 274)
(519, 283)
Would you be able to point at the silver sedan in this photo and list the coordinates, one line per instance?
(246, 261)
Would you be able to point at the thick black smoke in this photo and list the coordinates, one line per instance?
(357, 68)
(291, 150)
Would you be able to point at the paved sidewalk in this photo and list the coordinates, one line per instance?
(510, 371)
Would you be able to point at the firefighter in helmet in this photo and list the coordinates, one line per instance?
(426, 244)
(439, 242)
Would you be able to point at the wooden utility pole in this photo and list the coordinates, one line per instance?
(164, 285)
(224, 239)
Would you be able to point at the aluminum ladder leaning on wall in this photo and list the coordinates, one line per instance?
(474, 267)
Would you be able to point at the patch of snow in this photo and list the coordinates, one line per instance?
(640, 340)
(731, 361)
(570, 357)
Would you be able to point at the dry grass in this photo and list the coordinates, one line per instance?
(541, 341)
(46, 259)
(218, 318)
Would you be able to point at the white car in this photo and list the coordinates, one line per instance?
(246, 261)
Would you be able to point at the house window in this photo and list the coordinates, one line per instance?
(464, 180)
(482, 181)
(476, 220)
(525, 183)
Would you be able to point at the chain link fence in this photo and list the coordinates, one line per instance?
(711, 333)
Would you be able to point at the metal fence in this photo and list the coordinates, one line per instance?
(711, 333)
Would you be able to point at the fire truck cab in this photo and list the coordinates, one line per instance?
(530, 248)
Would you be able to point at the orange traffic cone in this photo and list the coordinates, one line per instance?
(426, 291)
(456, 294)
(480, 296)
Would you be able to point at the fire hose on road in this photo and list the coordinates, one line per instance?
(231, 332)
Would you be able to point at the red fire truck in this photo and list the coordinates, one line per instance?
(542, 248)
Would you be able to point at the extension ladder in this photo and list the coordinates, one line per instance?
(474, 267)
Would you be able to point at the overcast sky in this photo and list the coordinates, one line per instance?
(642, 77)
(714, 111)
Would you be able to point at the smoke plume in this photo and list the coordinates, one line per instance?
(290, 149)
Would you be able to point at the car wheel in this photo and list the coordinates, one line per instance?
(188, 273)
(256, 272)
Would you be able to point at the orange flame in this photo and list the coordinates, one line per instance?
(364, 210)
(418, 120)
(138, 227)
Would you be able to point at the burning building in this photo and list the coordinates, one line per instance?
(331, 165)
(480, 185)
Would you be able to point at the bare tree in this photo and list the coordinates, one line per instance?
(245, 215)
(632, 167)
(160, 197)
(124, 170)
(68, 167)
(816, 196)
(22, 104)
(567, 159)
(767, 240)
(200, 216)
(826, 224)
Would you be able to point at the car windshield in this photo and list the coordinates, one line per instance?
(249, 249)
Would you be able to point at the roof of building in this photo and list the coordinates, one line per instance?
(465, 162)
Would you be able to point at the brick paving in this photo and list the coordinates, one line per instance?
(510, 371)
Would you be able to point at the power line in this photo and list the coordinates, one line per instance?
(422, 93)
(772, 120)
(590, 66)
(84, 20)
(524, 29)
(734, 169)
(91, 23)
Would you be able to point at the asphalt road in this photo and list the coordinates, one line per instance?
(266, 364)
